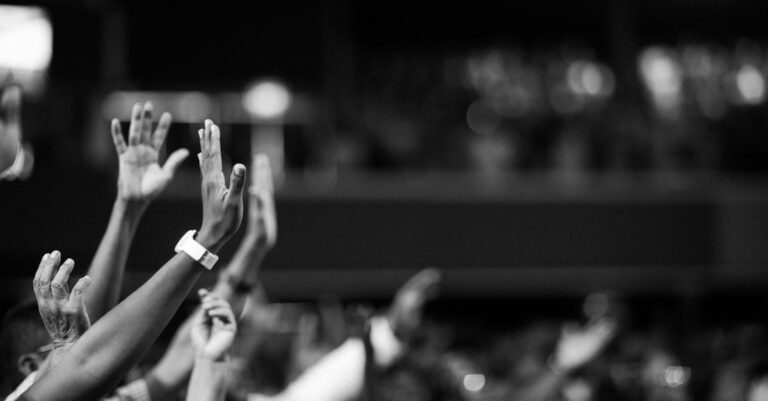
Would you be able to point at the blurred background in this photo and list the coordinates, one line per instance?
(536, 151)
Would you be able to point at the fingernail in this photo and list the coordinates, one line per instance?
(69, 261)
(46, 256)
(55, 254)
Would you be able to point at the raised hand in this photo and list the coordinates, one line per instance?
(406, 309)
(222, 206)
(578, 346)
(141, 176)
(213, 328)
(63, 312)
(262, 217)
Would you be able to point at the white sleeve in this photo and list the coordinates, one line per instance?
(387, 349)
(338, 376)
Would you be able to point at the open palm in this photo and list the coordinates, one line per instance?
(141, 176)
(580, 345)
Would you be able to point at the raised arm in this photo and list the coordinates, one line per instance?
(234, 284)
(106, 352)
(576, 347)
(213, 332)
(140, 180)
(242, 272)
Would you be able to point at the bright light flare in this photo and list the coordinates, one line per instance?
(677, 376)
(660, 72)
(267, 100)
(26, 38)
(474, 382)
(750, 84)
(590, 78)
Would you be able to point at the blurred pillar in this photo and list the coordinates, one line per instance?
(624, 49)
(268, 138)
(98, 150)
(338, 69)
(113, 45)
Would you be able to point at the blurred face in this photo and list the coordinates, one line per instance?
(758, 391)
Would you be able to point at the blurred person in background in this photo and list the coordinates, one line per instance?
(15, 157)
(551, 361)
(541, 375)
(738, 362)
(360, 366)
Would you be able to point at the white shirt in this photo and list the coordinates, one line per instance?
(340, 375)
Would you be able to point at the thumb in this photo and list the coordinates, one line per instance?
(174, 161)
(237, 180)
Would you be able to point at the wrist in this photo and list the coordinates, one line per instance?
(130, 208)
(212, 242)
(205, 358)
(63, 343)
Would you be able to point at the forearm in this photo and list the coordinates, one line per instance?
(246, 262)
(108, 264)
(174, 368)
(53, 359)
(244, 269)
(116, 342)
(208, 380)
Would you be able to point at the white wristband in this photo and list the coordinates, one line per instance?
(188, 245)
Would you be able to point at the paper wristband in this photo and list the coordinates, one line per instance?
(188, 245)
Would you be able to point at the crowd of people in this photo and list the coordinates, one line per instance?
(84, 343)
(692, 107)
